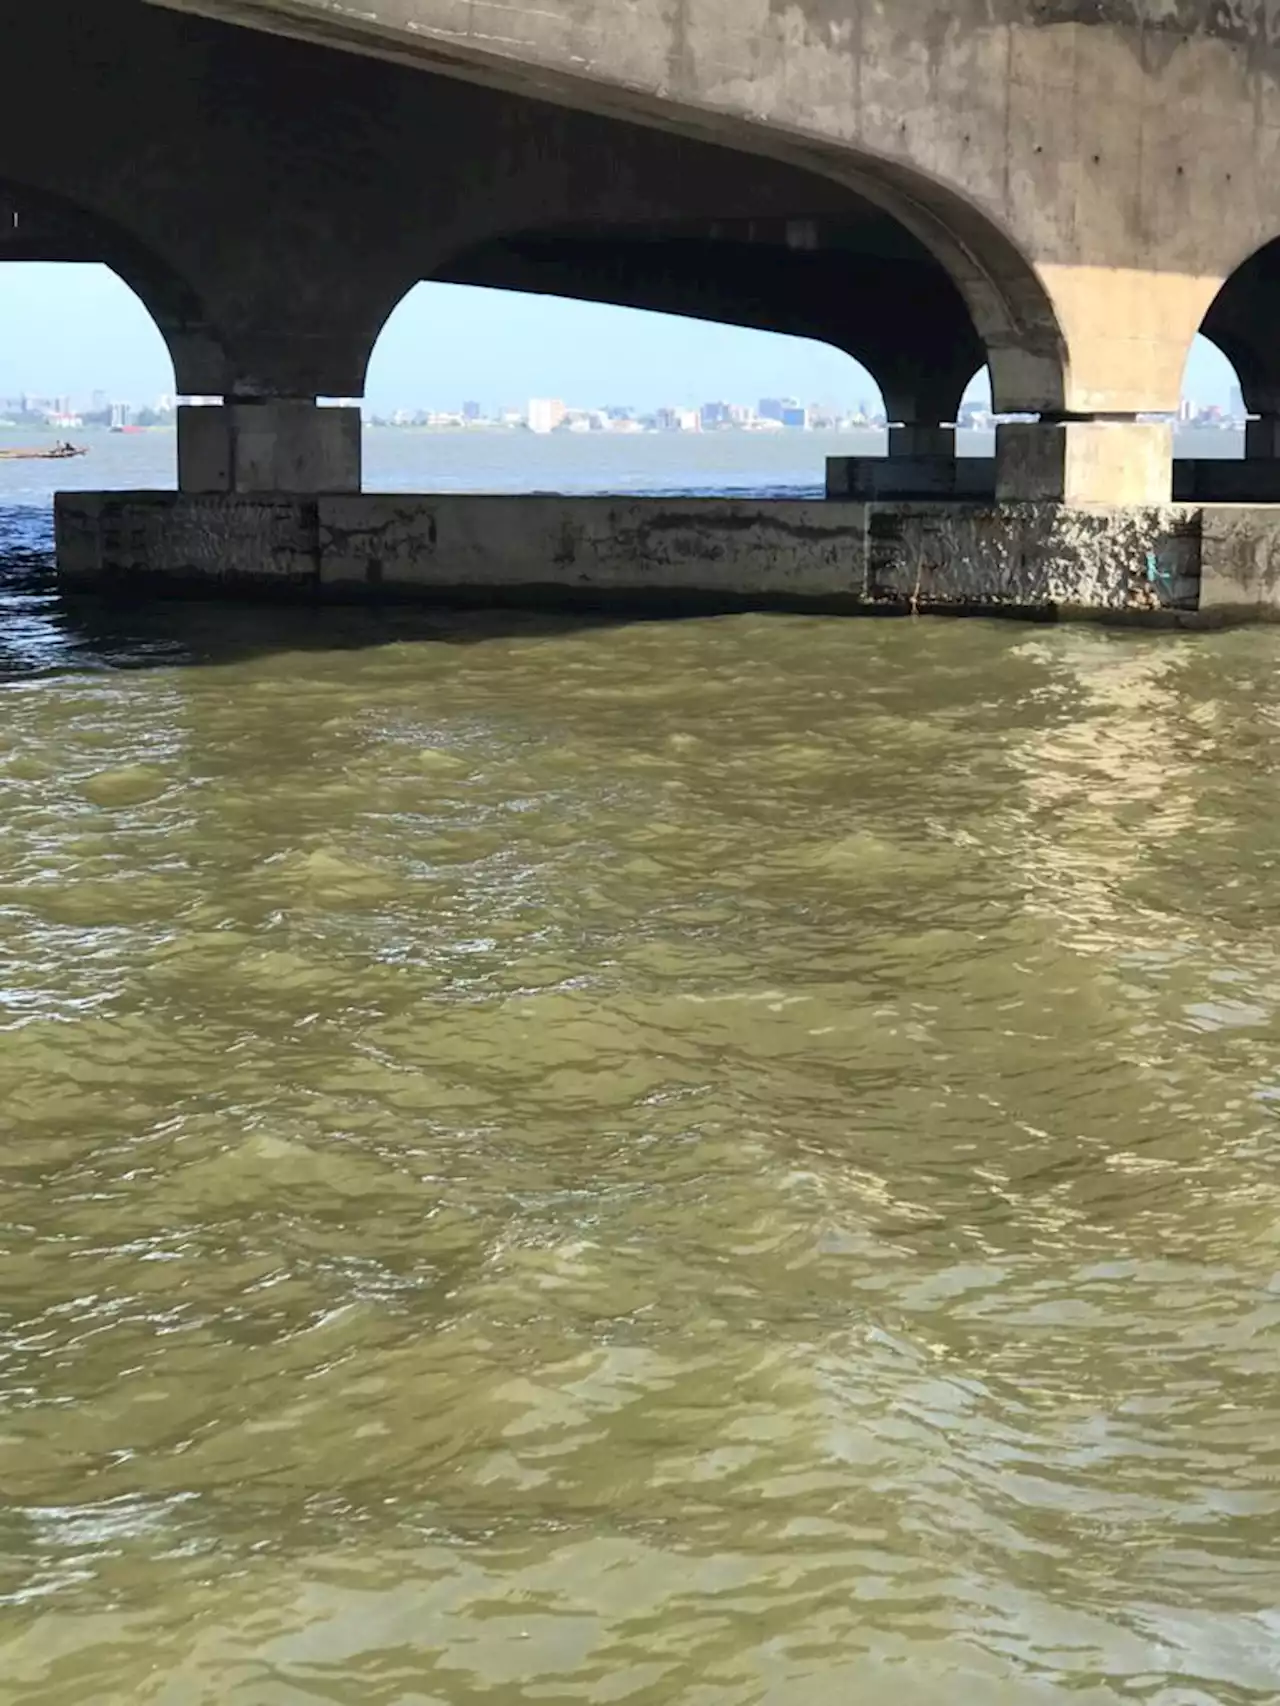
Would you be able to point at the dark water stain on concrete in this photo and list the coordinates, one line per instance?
(1252, 23)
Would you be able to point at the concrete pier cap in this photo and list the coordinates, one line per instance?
(269, 445)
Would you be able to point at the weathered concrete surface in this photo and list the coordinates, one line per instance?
(627, 553)
(1240, 563)
(1033, 557)
(707, 546)
(261, 544)
(546, 549)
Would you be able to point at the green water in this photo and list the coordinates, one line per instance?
(708, 1164)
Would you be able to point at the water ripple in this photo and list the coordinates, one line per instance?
(687, 1163)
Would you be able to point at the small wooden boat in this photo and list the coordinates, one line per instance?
(59, 453)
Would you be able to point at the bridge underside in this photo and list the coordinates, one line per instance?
(271, 201)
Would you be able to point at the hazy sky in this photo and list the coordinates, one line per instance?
(72, 330)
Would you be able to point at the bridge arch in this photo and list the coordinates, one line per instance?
(36, 225)
(1241, 321)
(1011, 308)
(859, 288)
(852, 276)
(586, 350)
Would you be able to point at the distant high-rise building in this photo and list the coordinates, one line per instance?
(471, 411)
(678, 420)
(545, 414)
(786, 410)
(716, 415)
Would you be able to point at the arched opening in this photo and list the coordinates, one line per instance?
(82, 365)
(1241, 324)
(127, 332)
(1212, 413)
(976, 421)
(1228, 440)
(859, 282)
(613, 200)
(520, 388)
(37, 226)
(856, 281)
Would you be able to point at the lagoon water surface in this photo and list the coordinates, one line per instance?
(695, 1164)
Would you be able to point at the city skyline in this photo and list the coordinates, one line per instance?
(75, 329)
(544, 416)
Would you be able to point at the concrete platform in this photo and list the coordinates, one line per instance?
(1227, 480)
(870, 479)
(657, 554)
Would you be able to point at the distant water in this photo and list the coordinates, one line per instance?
(788, 464)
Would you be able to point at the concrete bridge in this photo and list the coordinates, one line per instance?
(1064, 190)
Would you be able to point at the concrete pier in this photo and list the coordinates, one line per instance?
(1178, 562)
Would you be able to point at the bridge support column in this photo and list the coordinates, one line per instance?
(282, 445)
(921, 438)
(1106, 461)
